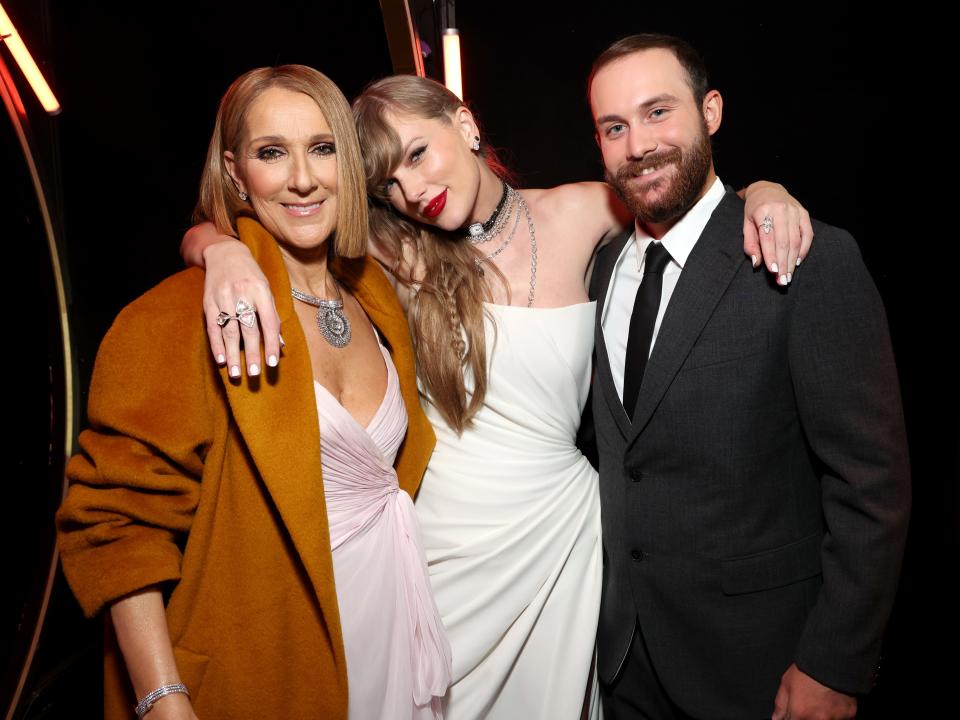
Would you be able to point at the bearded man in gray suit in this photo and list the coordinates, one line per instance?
(753, 462)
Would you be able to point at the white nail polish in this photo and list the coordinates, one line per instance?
(272, 361)
(789, 278)
(254, 369)
(235, 371)
(774, 268)
(798, 261)
(783, 280)
(753, 260)
(221, 359)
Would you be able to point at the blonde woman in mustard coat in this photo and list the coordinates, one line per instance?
(255, 548)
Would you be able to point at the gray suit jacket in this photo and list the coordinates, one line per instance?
(755, 511)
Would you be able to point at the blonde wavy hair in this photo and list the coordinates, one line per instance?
(446, 315)
(219, 202)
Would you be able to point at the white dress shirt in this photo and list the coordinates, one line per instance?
(628, 273)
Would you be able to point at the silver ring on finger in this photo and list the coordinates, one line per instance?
(246, 313)
(223, 318)
(767, 224)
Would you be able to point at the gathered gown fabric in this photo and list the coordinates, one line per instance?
(398, 655)
(510, 517)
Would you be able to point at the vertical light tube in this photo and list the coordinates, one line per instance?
(452, 76)
(11, 38)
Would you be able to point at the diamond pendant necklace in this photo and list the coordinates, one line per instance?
(333, 324)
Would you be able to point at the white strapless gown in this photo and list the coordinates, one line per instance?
(510, 517)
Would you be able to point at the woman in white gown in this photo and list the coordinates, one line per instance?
(509, 508)
(510, 517)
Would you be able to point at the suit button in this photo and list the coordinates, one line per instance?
(636, 474)
(637, 555)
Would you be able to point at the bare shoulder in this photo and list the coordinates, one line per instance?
(590, 211)
(581, 197)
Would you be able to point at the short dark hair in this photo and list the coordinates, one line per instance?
(685, 53)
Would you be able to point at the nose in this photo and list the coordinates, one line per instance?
(640, 142)
(412, 188)
(302, 180)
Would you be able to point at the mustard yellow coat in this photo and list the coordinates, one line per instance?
(213, 490)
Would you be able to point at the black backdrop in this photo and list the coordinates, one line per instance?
(830, 103)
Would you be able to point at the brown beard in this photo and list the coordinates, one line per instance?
(682, 190)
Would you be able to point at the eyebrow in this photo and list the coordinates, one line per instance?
(277, 139)
(646, 105)
(411, 142)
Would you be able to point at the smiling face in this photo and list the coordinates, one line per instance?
(437, 181)
(287, 164)
(653, 135)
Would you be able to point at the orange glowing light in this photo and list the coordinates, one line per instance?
(451, 62)
(11, 38)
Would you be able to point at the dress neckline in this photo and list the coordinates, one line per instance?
(529, 309)
(382, 407)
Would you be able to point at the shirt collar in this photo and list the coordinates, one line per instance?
(680, 239)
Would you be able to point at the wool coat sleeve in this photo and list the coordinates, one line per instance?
(134, 485)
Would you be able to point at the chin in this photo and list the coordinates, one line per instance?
(306, 239)
(442, 222)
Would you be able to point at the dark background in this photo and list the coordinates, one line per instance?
(841, 108)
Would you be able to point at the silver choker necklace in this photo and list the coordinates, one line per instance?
(333, 324)
(521, 207)
(479, 233)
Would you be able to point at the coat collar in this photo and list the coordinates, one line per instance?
(711, 267)
(600, 284)
(278, 420)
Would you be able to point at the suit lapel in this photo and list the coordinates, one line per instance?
(706, 275)
(600, 284)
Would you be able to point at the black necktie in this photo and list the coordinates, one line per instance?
(644, 318)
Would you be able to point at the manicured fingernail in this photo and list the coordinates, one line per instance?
(774, 268)
(783, 280)
(799, 259)
(789, 278)
(221, 359)
(753, 260)
(272, 361)
(234, 371)
(254, 369)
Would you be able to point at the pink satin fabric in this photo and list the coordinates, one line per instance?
(398, 655)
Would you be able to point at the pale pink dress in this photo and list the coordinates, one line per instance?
(398, 655)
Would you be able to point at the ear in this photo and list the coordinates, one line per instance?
(712, 111)
(230, 162)
(465, 124)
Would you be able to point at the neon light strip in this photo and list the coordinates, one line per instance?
(11, 38)
(451, 62)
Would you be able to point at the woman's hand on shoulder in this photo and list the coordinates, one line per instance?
(233, 283)
(777, 227)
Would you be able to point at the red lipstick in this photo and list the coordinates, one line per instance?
(435, 206)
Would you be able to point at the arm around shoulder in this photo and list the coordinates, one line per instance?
(592, 208)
